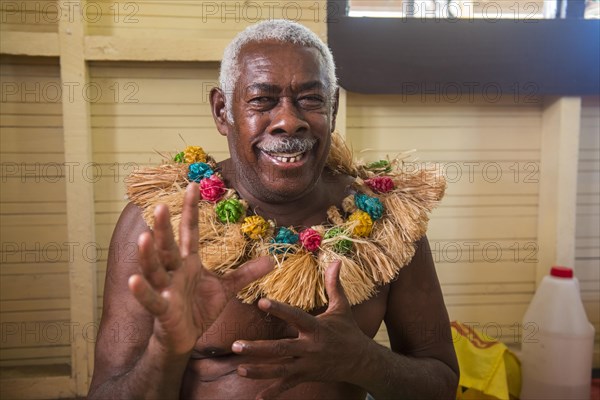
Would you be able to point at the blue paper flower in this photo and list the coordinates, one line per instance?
(370, 205)
(199, 171)
(284, 236)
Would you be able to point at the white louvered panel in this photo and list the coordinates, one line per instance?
(483, 236)
(34, 281)
(587, 244)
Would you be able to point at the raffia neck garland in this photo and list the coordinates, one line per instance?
(373, 235)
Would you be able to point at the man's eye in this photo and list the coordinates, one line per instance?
(262, 100)
(311, 101)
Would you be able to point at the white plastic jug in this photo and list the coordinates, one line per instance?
(558, 341)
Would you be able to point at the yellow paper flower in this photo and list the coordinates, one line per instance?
(363, 225)
(255, 227)
(193, 154)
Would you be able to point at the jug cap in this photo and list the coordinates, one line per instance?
(561, 272)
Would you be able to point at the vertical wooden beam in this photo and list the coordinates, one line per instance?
(80, 194)
(558, 184)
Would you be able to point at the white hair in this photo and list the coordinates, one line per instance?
(280, 30)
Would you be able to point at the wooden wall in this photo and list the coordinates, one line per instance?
(134, 79)
(163, 107)
(587, 239)
(483, 236)
(489, 236)
(34, 280)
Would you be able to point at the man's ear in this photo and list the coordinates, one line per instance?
(335, 105)
(219, 112)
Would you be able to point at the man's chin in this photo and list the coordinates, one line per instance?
(282, 191)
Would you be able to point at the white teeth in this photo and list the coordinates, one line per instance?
(287, 158)
(286, 155)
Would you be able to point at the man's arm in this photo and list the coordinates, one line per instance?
(127, 363)
(423, 363)
(158, 301)
(331, 346)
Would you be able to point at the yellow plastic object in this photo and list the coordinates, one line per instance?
(488, 370)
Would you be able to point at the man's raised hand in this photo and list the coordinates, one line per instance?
(175, 288)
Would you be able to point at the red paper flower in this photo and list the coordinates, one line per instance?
(310, 239)
(212, 189)
(381, 184)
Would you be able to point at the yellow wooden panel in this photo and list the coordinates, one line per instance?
(30, 16)
(477, 272)
(483, 236)
(500, 313)
(41, 286)
(35, 305)
(201, 18)
(35, 187)
(15, 265)
(473, 289)
(507, 200)
(168, 110)
(47, 384)
(32, 333)
(34, 284)
(35, 353)
(487, 228)
(25, 139)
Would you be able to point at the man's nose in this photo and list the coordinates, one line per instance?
(287, 118)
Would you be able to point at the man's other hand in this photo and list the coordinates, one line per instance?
(327, 349)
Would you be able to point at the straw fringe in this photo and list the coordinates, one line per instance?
(358, 285)
(340, 159)
(298, 278)
(298, 281)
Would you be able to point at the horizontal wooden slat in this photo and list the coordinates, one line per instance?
(55, 387)
(107, 48)
(222, 20)
(42, 286)
(452, 292)
(35, 353)
(34, 305)
(480, 315)
(483, 272)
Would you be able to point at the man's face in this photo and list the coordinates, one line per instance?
(283, 118)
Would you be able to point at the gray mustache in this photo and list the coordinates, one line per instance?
(287, 145)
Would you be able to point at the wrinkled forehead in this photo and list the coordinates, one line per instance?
(281, 64)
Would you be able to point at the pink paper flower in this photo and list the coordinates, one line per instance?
(212, 188)
(381, 184)
(310, 239)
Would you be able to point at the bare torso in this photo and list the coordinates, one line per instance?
(211, 371)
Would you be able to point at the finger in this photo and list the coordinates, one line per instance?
(152, 269)
(188, 228)
(281, 369)
(333, 286)
(247, 273)
(168, 251)
(295, 316)
(276, 389)
(268, 348)
(150, 299)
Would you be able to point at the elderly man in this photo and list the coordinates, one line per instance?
(172, 328)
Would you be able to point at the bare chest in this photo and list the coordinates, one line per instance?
(247, 322)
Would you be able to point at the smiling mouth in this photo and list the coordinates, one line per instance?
(286, 157)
